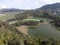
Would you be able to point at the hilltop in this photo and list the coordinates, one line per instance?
(51, 8)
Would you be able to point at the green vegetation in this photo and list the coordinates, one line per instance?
(7, 33)
(31, 19)
(8, 15)
(41, 28)
(13, 22)
(11, 36)
(34, 19)
(4, 18)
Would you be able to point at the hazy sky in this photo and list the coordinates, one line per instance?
(25, 4)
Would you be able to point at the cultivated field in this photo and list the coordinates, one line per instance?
(7, 15)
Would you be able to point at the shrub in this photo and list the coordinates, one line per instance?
(41, 21)
(29, 23)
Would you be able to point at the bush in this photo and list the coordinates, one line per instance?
(41, 21)
(29, 23)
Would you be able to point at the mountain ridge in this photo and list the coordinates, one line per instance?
(50, 8)
(11, 10)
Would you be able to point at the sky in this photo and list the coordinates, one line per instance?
(25, 4)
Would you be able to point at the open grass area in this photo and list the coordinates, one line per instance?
(8, 15)
(3, 18)
(34, 19)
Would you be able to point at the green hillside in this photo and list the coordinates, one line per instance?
(9, 35)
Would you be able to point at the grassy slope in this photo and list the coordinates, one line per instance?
(6, 35)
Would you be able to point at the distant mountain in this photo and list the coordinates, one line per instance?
(53, 8)
(48, 8)
(10, 10)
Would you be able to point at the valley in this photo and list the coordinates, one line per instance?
(30, 27)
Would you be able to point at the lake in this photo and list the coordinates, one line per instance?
(45, 31)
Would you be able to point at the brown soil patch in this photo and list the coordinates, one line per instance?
(23, 29)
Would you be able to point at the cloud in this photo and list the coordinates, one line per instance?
(2, 6)
(25, 4)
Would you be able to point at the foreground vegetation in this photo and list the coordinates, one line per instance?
(11, 36)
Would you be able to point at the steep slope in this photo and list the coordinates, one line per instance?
(9, 35)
